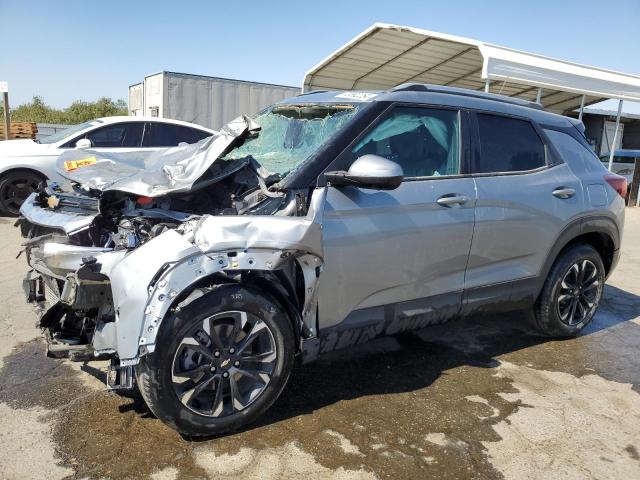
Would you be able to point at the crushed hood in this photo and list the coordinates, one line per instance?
(152, 173)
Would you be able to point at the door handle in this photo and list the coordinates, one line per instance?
(452, 199)
(563, 192)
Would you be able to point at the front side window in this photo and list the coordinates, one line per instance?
(507, 145)
(423, 141)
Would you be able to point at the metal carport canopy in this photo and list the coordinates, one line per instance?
(385, 55)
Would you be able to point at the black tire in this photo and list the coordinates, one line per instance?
(553, 315)
(15, 187)
(155, 371)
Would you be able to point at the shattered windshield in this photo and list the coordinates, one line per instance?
(292, 133)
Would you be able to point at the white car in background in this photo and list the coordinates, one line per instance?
(624, 162)
(26, 163)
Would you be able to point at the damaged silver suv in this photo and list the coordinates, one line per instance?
(205, 271)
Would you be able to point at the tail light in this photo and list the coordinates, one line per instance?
(618, 183)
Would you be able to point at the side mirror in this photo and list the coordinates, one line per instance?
(369, 171)
(83, 143)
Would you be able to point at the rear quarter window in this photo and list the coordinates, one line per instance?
(573, 152)
(507, 145)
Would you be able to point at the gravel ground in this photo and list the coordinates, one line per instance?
(480, 398)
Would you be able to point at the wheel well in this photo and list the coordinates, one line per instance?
(23, 169)
(271, 284)
(601, 242)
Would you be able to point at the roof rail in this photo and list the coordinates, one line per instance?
(423, 87)
(311, 92)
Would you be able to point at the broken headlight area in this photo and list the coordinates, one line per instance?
(71, 309)
(117, 219)
(74, 237)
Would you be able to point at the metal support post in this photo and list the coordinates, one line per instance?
(7, 120)
(581, 107)
(487, 83)
(612, 147)
(635, 184)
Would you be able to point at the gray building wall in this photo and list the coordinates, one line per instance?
(207, 101)
(631, 138)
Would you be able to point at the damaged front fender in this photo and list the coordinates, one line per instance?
(148, 281)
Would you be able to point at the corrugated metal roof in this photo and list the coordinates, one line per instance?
(384, 56)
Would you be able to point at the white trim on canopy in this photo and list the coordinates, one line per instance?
(385, 55)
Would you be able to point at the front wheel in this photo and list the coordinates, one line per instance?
(571, 293)
(15, 187)
(219, 362)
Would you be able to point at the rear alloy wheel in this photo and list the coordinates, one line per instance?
(15, 187)
(578, 293)
(571, 293)
(220, 361)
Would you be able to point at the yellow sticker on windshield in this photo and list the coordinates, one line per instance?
(73, 164)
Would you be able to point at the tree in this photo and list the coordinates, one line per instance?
(79, 111)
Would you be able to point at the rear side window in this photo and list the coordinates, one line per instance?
(507, 145)
(167, 135)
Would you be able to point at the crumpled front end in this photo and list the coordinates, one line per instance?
(111, 300)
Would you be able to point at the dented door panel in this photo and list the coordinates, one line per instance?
(395, 246)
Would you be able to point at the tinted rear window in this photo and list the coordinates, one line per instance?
(168, 135)
(508, 145)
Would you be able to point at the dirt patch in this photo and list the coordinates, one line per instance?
(111, 436)
(25, 441)
(565, 431)
(286, 462)
(28, 378)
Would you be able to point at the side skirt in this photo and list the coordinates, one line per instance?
(364, 325)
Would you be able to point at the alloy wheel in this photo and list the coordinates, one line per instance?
(14, 192)
(223, 364)
(579, 293)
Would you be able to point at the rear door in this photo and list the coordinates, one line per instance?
(525, 198)
(396, 259)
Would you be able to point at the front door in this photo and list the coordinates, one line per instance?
(395, 260)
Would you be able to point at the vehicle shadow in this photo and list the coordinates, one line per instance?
(414, 361)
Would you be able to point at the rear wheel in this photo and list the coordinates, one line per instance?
(571, 293)
(15, 187)
(219, 362)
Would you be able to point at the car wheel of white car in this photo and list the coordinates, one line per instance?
(219, 362)
(15, 187)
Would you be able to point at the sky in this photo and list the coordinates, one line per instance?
(78, 50)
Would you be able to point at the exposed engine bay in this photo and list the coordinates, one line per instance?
(125, 220)
(109, 262)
